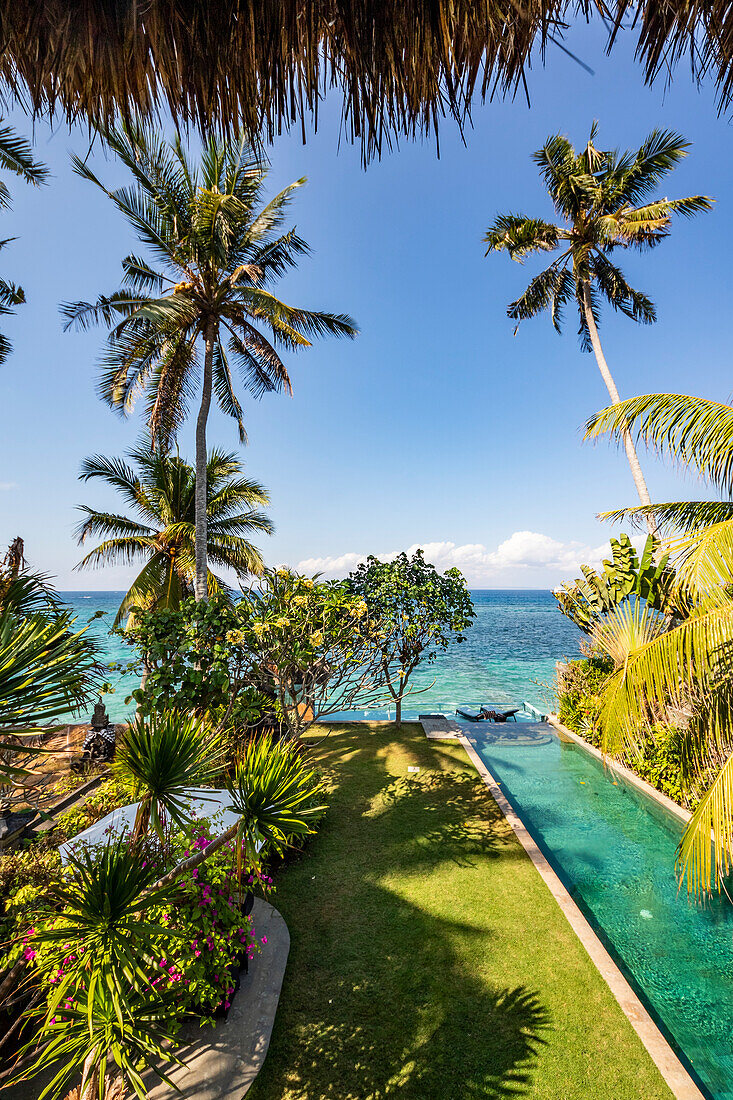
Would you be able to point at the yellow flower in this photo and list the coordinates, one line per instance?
(317, 638)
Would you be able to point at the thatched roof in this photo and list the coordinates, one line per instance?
(261, 65)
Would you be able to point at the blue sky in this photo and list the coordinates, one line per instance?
(436, 426)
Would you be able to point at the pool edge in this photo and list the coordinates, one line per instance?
(671, 1068)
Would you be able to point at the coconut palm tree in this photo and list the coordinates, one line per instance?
(603, 199)
(690, 666)
(161, 491)
(216, 250)
(16, 155)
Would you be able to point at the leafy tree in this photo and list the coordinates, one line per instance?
(624, 578)
(196, 659)
(604, 200)
(689, 668)
(418, 610)
(315, 645)
(162, 495)
(214, 252)
(16, 155)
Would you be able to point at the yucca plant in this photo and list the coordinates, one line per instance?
(276, 796)
(690, 666)
(101, 934)
(110, 1045)
(162, 756)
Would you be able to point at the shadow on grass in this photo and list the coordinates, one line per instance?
(385, 995)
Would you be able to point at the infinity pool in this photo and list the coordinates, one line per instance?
(614, 848)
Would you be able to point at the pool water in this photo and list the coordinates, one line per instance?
(614, 848)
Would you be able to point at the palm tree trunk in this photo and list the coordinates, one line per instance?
(200, 497)
(607, 377)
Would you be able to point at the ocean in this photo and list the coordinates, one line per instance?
(509, 654)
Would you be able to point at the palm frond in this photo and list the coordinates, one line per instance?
(520, 236)
(687, 516)
(701, 863)
(691, 430)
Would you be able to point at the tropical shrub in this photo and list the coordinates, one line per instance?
(211, 935)
(579, 694)
(314, 645)
(659, 761)
(195, 659)
(290, 651)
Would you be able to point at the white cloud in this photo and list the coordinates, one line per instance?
(5, 486)
(524, 557)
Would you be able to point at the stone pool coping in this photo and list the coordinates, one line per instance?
(678, 1079)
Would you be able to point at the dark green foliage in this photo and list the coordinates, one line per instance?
(197, 659)
(579, 694)
(624, 577)
(659, 761)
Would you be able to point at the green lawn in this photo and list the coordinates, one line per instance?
(428, 959)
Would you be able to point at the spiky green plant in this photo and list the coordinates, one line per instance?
(690, 666)
(162, 757)
(214, 249)
(276, 796)
(110, 1046)
(47, 669)
(161, 491)
(603, 198)
(101, 934)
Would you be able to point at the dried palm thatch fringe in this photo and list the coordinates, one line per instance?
(259, 66)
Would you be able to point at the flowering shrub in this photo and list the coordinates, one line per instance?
(197, 942)
(210, 933)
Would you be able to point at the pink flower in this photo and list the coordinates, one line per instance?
(264, 939)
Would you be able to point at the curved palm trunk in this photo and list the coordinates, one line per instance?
(607, 377)
(200, 495)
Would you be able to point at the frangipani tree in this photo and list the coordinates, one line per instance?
(197, 309)
(604, 199)
(692, 664)
(416, 611)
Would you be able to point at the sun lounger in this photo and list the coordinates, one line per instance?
(490, 714)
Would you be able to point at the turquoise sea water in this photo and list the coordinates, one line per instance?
(509, 653)
(615, 850)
